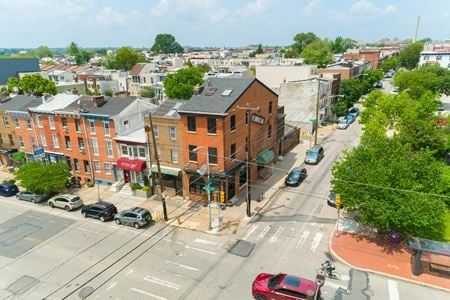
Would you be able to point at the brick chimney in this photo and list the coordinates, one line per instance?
(98, 100)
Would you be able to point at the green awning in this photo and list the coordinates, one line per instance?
(167, 171)
(265, 157)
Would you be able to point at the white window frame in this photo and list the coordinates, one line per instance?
(6, 121)
(91, 126)
(122, 146)
(55, 140)
(107, 167)
(51, 122)
(33, 142)
(97, 166)
(174, 155)
(78, 125)
(39, 121)
(172, 133)
(21, 141)
(76, 164)
(109, 148)
(106, 128)
(16, 122)
(139, 152)
(95, 150)
(29, 124)
(155, 131)
(43, 140)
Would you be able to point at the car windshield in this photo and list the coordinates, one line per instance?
(274, 281)
(343, 122)
(311, 153)
(294, 175)
(145, 215)
(75, 199)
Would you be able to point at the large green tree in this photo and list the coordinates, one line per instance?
(409, 57)
(389, 64)
(180, 85)
(40, 177)
(123, 59)
(34, 84)
(422, 80)
(42, 51)
(301, 40)
(340, 44)
(166, 43)
(318, 53)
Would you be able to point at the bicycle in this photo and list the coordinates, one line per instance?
(327, 269)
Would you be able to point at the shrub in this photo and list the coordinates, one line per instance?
(135, 186)
(146, 188)
(90, 184)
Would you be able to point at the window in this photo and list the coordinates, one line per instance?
(43, 140)
(133, 151)
(233, 123)
(1, 139)
(39, 121)
(107, 167)
(109, 149)
(67, 140)
(81, 144)
(16, 122)
(174, 155)
(21, 143)
(270, 107)
(243, 176)
(212, 125)
(87, 168)
(51, 121)
(141, 152)
(96, 166)
(158, 150)
(438, 57)
(94, 146)
(64, 123)
(269, 132)
(77, 125)
(124, 149)
(32, 142)
(233, 151)
(29, 124)
(247, 115)
(172, 133)
(76, 164)
(106, 129)
(92, 126)
(155, 131)
(192, 153)
(212, 155)
(6, 121)
(196, 185)
(55, 141)
(191, 124)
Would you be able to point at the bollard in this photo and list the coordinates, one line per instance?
(178, 221)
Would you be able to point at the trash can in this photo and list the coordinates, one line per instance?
(395, 238)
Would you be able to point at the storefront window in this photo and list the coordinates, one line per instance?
(196, 184)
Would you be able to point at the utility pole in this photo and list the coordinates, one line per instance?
(149, 148)
(417, 30)
(155, 149)
(317, 112)
(248, 110)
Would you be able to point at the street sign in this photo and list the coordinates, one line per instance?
(258, 119)
(209, 188)
(38, 151)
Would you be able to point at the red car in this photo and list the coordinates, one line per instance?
(281, 287)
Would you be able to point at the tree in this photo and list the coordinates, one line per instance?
(73, 49)
(123, 59)
(166, 43)
(81, 56)
(204, 68)
(34, 84)
(147, 92)
(42, 51)
(301, 40)
(13, 85)
(317, 53)
(290, 53)
(422, 80)
(40, 177)
(180, 85)
(340, 44)
(409, 57)
(389, 64)
(372, 76)
(108, 93)
(351, 90)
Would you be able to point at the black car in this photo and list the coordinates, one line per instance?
(102, 210)
(8, 189)
(296, 176)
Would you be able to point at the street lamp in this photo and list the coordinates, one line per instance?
(208, 184)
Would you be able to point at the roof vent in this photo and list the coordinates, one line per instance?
(227, 93)
(210, 91)
(98, 100)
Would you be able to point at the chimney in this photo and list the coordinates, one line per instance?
(198, 89)
(98, 100)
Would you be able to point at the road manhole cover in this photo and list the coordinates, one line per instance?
(242, 248)
(85, 292)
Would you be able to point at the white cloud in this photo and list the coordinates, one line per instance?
(389, 9)
(368, 7)
(71, 9)
(312, 6)
(253, 9)
(190, 10)
(108, 16)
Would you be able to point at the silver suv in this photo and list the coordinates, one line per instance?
(136, 217)
(66, 201)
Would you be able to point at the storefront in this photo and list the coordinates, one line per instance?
(132, 170)
(6, 156)
(264, 158)
(171, 178)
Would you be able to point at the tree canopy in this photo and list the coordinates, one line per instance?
(166, 43)
(389, 64)
(340, 44)
(42, 51)
(180, 85)
(409, 57)
(81, 56)
(34, 84)
(123, 59)
(40, 177)
(301, 40)
(318, 53)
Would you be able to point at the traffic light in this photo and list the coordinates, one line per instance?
(338, 201)
(222, 197)
(214, 197)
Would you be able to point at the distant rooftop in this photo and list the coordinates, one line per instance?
(169, 109)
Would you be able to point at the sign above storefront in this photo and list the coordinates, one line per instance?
(258, 119)
(131, 165)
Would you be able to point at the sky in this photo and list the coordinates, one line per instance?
(218, 23)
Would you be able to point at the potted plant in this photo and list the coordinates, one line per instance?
(143, 192)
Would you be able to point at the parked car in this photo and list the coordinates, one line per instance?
(101, 210)
(136, 217)
(441, 106)
(8, 189)
(281, 286)
(331, 200)
(394, 91)
(350, 118)
(314, 155)
(66, 201)
(354, 111)
(379, 85)
(30, 196)
(296, 176)
(342, 124)
(388, 74)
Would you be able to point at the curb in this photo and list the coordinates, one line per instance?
(381, 273)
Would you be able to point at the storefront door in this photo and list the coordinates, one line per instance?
(127, 176)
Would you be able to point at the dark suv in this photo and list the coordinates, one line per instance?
(102, 210)
(136, 217)
(8, 189)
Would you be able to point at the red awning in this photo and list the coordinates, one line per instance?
(131, 164)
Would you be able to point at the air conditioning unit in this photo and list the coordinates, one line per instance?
(81, 149)
(65, 128)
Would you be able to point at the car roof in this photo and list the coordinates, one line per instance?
(298, 169)
(138, 210)
(7, 184)
(297, 284)
(315, 148)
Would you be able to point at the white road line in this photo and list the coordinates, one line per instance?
(274, 238)
(129, 272)
(205, 242)
(112, 285)
(302, 239)
(200, 250)
(250, 231)
(264, 232)
(316, 241)
(181, 265)
(344, 277)
(334, 285)
(172, 241)
(148, 294)
(162, 282)
(393, 290)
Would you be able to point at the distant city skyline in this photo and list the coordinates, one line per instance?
(215, 23)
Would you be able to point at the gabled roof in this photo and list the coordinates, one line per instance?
(169, 109)
(56, 102)
(217, 96)
(111, 107)
(137, 68)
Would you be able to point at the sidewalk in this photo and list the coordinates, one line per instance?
(371, 254)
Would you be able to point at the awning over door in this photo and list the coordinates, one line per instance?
(131, 164)
(265, 157)
(167, 170)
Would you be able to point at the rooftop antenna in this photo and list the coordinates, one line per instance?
(417, 29)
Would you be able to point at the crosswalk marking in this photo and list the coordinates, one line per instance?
(205, 242)
(181, 265)
(148, 294)
(334, 285)
(393, 290)
(162, 282)
(316, 241)
(264, 232)
(274, 238)
(302, 239)
(200, 250)
(250, 231)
